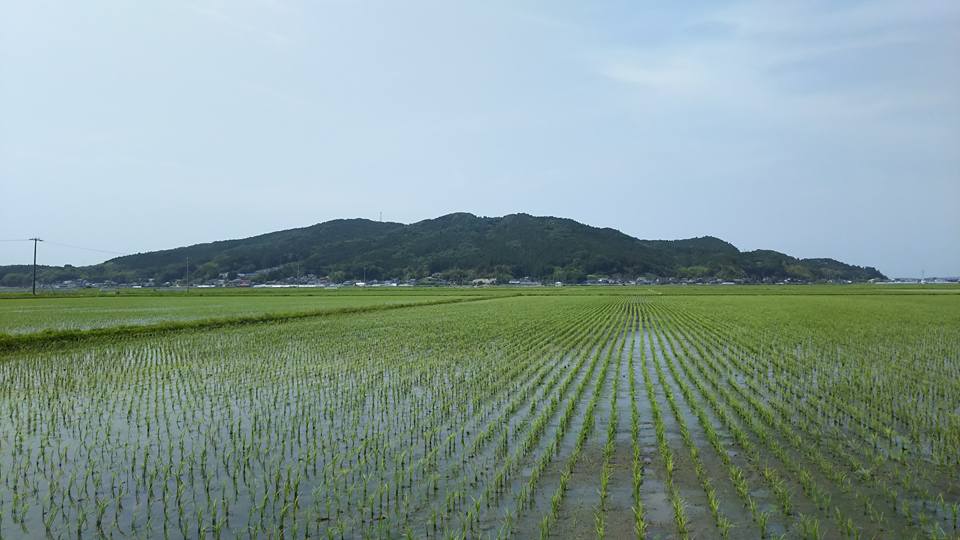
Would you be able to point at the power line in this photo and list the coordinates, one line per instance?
(35, 240)
(62, 244)
(84, 248)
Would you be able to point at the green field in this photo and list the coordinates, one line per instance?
(28, 315)
(572, 413)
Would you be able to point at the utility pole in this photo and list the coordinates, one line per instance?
(187, 278)
(35, 240)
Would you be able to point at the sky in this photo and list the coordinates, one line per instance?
(818, 129)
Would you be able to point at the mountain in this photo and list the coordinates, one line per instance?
(457, 246)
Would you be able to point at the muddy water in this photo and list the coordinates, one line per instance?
(619, 515)
(528, 523)
(581, 502)
(684, 477)
(730, 504)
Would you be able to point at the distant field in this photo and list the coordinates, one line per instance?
(28, 315)
(89, 309)
(545, 289)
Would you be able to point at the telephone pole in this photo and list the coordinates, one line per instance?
(35, 240)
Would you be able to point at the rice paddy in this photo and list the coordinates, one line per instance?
(551, 415)
(27, 315)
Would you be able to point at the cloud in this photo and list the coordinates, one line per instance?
(805, 64)
(676, 76)
(795, 19)
(230, 17)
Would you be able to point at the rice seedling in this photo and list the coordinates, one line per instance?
(824, 416)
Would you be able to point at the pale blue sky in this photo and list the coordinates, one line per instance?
(814, 128)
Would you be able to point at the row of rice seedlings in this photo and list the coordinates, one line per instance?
(741, 437)
(448, 446)
(462, 486)
(821, 497)
(501, 480)
(457, 493)
(609, 446)
(810, 486)
(636, 464)
(186, 463)
(909, 391)
(843, 447)
(491, 492)
(723, 523)
(889, 382)
(614, 350)
(798, 413)
(771, 477)
(577, 333)
(403, 476)
(666, 455)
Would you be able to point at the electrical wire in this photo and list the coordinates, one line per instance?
(83, 248)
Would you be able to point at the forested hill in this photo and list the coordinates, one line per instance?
(457, 246)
